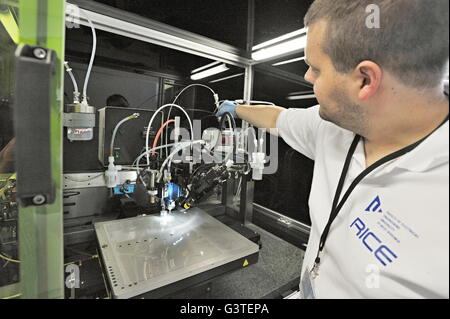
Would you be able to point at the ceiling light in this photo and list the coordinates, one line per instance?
(288, 61)
(301, 93)
(227, 78)
(209, 72)
(280, 49)
(205, 67)
(301, 97)
(279, 39)
(150, 31)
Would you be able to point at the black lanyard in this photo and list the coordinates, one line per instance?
(337, 206)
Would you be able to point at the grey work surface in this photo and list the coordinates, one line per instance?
(278, 269)
(148, 252)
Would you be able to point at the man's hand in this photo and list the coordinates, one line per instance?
(227, 106)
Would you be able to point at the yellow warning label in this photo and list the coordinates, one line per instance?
(245, 263)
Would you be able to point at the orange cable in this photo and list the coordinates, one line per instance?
(155, 142)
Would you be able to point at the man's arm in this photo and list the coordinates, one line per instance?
(297, 127)
(261, 116)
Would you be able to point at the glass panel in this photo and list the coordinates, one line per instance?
(286, 191)
(9, 266)
(30, 236)
(195, 16)
(273, 20)
(147, 76)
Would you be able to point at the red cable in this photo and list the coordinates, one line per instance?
(155, 142)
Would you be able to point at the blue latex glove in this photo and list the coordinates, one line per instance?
(227, 106)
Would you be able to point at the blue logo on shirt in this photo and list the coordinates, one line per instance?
(373, 243)
(375, 206)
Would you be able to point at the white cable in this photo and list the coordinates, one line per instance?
(229, 119)
(255, 139)
(76, 93)
(216, 99)
(133, 116)
(138, 159)
(91, 62)
(175, 151)
(170, 158)
(151, 122)
(192, 85)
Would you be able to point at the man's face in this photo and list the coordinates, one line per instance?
(330, 87)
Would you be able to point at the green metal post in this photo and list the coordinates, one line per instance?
(41, 228)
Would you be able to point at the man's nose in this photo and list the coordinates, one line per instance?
(308, 76)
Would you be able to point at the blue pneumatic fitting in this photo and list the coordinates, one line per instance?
(171, 194)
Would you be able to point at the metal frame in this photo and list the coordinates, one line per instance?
(89, 180)
(282, 219)
(289, 229)
(134, 26)
(248, 185)
(41, 227)
(137, 27)
(42, 23)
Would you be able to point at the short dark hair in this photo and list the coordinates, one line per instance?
(411, 42)
(117, 100)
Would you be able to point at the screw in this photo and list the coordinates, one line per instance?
(39, 53)
(39, 199)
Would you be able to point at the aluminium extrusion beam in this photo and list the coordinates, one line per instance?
(137, 27)
(249, 75)
(248, 185)
(281, 74)
(140, 28)
(283, 219)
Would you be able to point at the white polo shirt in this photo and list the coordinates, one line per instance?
(391, 238)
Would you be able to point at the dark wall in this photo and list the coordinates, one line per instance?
(82, 156)
(224, 21)
(287, 191)
(7, 48)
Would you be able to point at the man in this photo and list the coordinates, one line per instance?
(379, 202)
(117, 100)
(7, 157)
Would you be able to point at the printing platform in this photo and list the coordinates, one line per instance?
(154, 255)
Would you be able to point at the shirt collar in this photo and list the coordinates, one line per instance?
(432, 152)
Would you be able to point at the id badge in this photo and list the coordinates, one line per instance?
(307, 286)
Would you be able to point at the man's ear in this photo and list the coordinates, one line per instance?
(368, 75)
